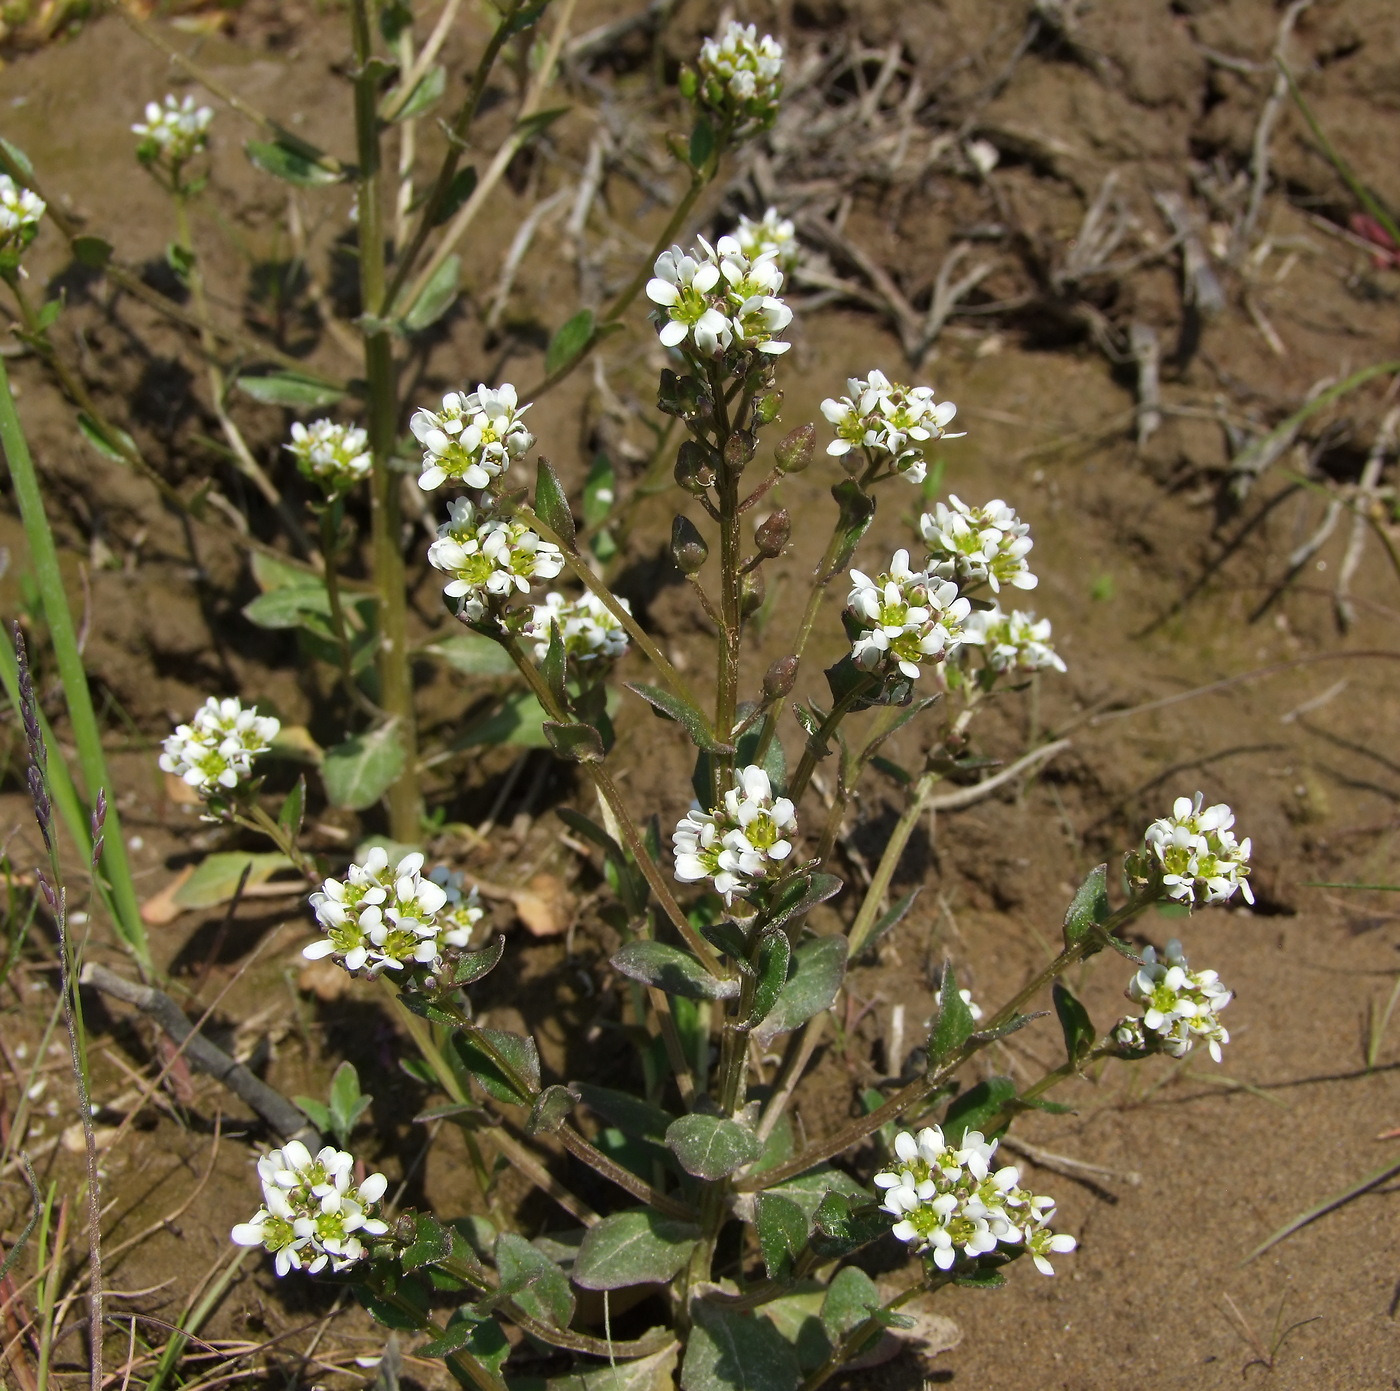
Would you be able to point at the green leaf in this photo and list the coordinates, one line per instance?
(782, 1233)
(519, 1052)
(432, 1242)
(810, 1190)
(1089, 908)
(630, 1114)
(591, 830)
(47, 316)
(360, 771)
(672, 970)
(580, 743)
(437, 297)
(845, 1223)
(461, 188)
(552, 504)
(568, 342)
(857, 512)
(654, 1373)
(599, 491)
(774, 954)
(977, 1106)
(953, 1026)
(737, 1352)
(215, 879)
(981, 1278)
(797, 1317)
(633, 1248)
(293, 812)
(291, 389)
(892, 918)
(289, 606)
(294, 162)
(821, 967)
(1074, 1019)
(551, 1109)
(347, 1102)
(105, 439)
(533, 1280)
(851, 1298)
(686, 715)
(472, 965)
(473, 654)
(18, 158)
(711, 1146)
(486, 1341)
(799, 896)
(702, 143)
(410, 1292)
(461, 1328)
(530, 126)
(427, 91)
(317, 1112)
(519, 720)
(554, 668)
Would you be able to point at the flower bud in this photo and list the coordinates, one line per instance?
(739, 448)
(752, 591)
(694, 471)
(795, 449)
(766, 408)
(780, 678)
(772, 535)
(688, 548)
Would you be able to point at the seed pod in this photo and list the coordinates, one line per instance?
(780, 678)
(688, 548)
(795, 449)
(772, 535)
(766, 408)
(694, 471)
(739, 448)
(752, 590)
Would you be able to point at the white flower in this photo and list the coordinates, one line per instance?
(972, 544)
(335, 456)
(488, 558)
(20, 211)
(472, 439)
(1015, 642)
(1197, 855)
(378, 918)
(771, 235)
(591, 634)
(952, 1205)
(1181, 1006)
(215, 751)
(885, 418)
(720, 298)
(743, 843)
(312, 1214)
(462, 911)
(740, 78)
(982, 155)
(973, 1008)
(173, 133)
(907, 618)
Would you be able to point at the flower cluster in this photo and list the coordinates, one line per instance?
(380, 918)
(215, 751)
(488, 557)
(950, 1203)
(719, 298)
(312, 1214)
(590, 631)
(1014, 642)
(739, 79)
(905, 617)
(976, 544)
(472, 439)
(20, 211)
(885, 418)
(770, 235)
(1181, 1006)
(174, 133)
(743, 843)
(1196, 855)
(335, 456)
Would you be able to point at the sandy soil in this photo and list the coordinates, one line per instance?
(1158, 580)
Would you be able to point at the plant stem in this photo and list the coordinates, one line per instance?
(330, 554)
(395, 670)
(889, 862)
(91, 759)
(815, 748)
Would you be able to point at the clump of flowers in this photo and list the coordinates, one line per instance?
(887, 419)
(952, 1205)
(380, 918)
(1194, 855)
(173, 133)
(905, 618)
(461, 912)
(489, 558)
(743, 843)
(720, 299)
(738, 79)
(334, 456)
(1181, 1007)
(772, 235)
(20, 211)
(590, 631)
(1016, 642)
(313, 1215)
(215, 751)
(976, 544)
(472, 439)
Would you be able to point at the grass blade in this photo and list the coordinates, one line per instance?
(1324, 1207)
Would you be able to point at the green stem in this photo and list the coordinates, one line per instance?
(889, 862)
(816, 747)
(390, 585)
(330, 554)
(86, 734)
(255, 818)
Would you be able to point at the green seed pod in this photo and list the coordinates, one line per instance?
(688, 548)
(780, 678)
(795, 449)
(772, 535)
(752, 590)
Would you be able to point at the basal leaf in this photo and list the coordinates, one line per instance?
(360, 771)
(216, 877)
(533, 1280)
(290, 389)
(633, 1248)
(672, 970)
(711, 1146)
(737, 1352)
(782, 1233)
(851, 1298)
(569, 341)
